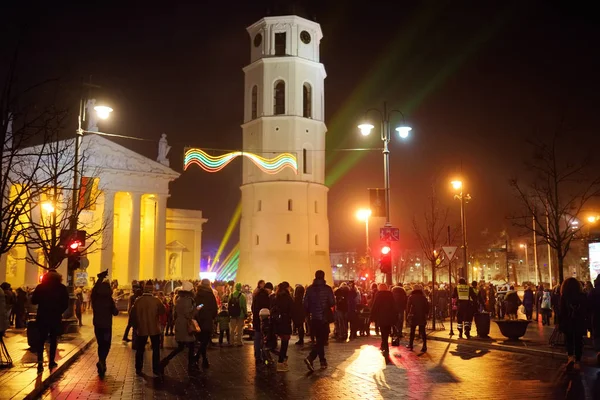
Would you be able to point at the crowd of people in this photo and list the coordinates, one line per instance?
(195, 313)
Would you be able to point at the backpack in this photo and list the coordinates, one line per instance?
(233, 306)
(546, 301)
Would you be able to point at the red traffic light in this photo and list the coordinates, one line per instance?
(74, 245)
(385, 250)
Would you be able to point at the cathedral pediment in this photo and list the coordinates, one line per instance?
(100, 152)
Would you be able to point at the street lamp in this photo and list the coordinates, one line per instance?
(524, 247)
(364, 214)
(48, 207)
(458, 185)
(403, 132)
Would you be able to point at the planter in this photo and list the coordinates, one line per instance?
(512, 329)
(482, 323)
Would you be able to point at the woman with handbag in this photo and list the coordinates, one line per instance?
(281, 317)
(418, 309)
(185, 325)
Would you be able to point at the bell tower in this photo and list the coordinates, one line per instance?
(284, 232)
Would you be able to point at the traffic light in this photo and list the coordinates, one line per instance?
(385, 260)
(74, 247)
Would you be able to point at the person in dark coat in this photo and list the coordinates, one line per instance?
(594, 310)
(513, 302)
(52, 299)
(572, 319)
(185, 308)
(207, 312)
(260, 300)
(400, 299)
(492, 300)
(9, 300)
(528, 300)
(281, 315)
(137, 292)
(104, 308)
(20, 308)
(353, 301)
(385, 315)
(317, 303)
(539, 294)
(298, 313)
(417, 309)
(341, 312)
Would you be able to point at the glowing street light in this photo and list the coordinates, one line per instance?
(364, 214)
(403, 130)
(524, 247)
(458, 186)
(48, 207)
(103, 111)
(592, 219)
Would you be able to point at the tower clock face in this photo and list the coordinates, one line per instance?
(257, 40)
(305, 37)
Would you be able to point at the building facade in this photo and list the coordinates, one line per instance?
(284, 231)
(138, 236)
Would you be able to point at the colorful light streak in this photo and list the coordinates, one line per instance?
(235, 218)
(216, 163)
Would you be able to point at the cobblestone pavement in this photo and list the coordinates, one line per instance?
(356, 371)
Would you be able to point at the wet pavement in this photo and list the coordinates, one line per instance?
(356, 370)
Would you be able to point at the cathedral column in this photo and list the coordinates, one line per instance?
(197, 252)
(160, 240)
(134, 238)
(108, 219)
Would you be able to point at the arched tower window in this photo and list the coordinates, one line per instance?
(254, 102)
(306, 100)
(257, 240)
(316, 240)
(279, 98)
(288, 239)
(259, 206)
(290, 205)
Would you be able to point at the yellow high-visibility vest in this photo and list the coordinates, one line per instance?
(463, 291)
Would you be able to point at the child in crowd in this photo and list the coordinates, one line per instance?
(223, 320)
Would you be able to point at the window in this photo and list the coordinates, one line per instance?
(254, 102)
(306, 101)
(259, 206)
(280, 44)
(316, 207)
(279, 98)
(288, 239)
(257, 240)
(316, 240)
(306, 162)
(290, 205)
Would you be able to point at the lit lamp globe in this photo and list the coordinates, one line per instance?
(365, 129)
(103, 111)
(456, 185)
(363, 214)
(403, 131)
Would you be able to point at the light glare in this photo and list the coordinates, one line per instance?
(363, 214)
(403, 131)
(365, 129)
(103, 111)
(456, 184)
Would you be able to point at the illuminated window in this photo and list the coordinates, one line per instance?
(259, 207)
(288, 239)
(280, 44)
(316, 240)
(307, 101)
(254, 102)
(306, 161)
(279, 98)
(257, 240)
(290, 205)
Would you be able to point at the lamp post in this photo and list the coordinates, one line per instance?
(524, 247)
(403, 131)
(102, 112)
(459, 186)
(364, 214)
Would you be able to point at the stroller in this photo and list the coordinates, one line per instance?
(265, 329)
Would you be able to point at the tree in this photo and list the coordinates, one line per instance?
(554, 196)
(21, 124)
(52, 214)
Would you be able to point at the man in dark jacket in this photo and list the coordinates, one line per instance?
(317, 303)
(207, 312)
(260, 300)
(341, 312)
(104, 309)
(136, 292)
(400, 300)
(146, 313)
(353, 301)
(52, 299)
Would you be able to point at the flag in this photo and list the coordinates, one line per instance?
(88, 193)
(377, 202)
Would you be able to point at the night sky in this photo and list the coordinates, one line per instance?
(474, 81)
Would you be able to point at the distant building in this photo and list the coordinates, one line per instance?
(345, 265)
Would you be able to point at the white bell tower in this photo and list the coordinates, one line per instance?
(284, 233)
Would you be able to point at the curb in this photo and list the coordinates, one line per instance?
(58, 371)
(499, 347)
